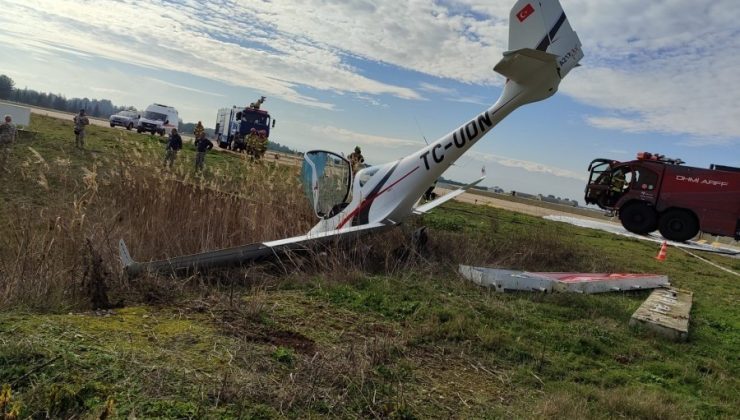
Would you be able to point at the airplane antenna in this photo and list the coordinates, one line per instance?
(420, 131)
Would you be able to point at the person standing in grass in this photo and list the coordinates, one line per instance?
(80, 122)
(7, 138)
(202, 145)
(198, 130)
(174, 144)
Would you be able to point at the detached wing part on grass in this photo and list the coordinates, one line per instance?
(445, 198)
(245, 253)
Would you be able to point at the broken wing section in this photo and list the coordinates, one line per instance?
(445, 198)
(245, 253)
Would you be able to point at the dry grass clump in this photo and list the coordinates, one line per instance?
(63, 253)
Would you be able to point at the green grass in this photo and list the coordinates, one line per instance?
(401, 340)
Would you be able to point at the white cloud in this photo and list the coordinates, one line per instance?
(348, 136)
(526, 165)
(187, 88)
(660, 66)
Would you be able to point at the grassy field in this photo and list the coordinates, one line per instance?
(376, 330)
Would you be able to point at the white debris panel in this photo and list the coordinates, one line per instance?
(510, 280)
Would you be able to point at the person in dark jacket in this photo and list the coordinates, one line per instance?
(174, 144)
(202, 145)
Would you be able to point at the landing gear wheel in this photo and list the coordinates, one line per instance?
(639, 218)
(130, 126)
(678, 225)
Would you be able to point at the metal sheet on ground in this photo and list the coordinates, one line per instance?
(666, 312)
(506, 280)
(619, 230)
(511, 280)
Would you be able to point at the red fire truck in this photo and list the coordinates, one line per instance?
(655, 192)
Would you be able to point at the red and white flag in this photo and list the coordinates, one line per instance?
(525, 12)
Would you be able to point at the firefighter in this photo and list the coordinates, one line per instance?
(356, 160)
(261, 143)
(198, 131)
(252, 139)
(618, 182)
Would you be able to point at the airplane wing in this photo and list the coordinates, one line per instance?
(445, 198)
(245, 253)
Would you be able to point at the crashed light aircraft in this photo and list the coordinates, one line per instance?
(543, 48)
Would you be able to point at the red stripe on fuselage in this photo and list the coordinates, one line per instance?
(366, 202)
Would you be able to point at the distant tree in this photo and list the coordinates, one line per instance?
(6, 87)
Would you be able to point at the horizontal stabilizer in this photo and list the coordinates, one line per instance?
(445, 198)
(523, 65)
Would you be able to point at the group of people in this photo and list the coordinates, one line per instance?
(254, 144)
(174, 145)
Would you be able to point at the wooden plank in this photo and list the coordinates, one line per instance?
(666, 312)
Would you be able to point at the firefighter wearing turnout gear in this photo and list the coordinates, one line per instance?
(261, 143)
(356, 159)
(618, 181)
(80, 122)
(198, 131)
(7, 138)
(252, 141)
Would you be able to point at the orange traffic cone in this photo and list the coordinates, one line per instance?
(661, 253)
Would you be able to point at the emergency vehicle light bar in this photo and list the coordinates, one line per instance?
(658, 158)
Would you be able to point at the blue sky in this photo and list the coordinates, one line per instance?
(657, 76)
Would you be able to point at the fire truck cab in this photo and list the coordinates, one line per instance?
(657, 193)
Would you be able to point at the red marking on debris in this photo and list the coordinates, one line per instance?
(592, 277)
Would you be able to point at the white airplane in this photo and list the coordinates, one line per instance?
(543, 48)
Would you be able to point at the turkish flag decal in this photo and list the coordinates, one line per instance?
(525, 12)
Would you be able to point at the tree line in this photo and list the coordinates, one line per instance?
(102, 108)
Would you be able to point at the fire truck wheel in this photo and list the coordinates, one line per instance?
(638, 218)
(678, 225)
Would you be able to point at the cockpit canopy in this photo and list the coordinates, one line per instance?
(327, 181)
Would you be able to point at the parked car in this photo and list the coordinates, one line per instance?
(128, 119)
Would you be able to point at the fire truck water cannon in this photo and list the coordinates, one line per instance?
(654, 192)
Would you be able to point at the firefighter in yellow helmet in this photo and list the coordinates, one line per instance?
(261, 143)
(252, 140)
(356, 159)
(618, 182)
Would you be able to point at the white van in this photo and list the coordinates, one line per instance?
(158, 118)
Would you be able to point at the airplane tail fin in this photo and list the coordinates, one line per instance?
(543, 48)
(542, 25)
